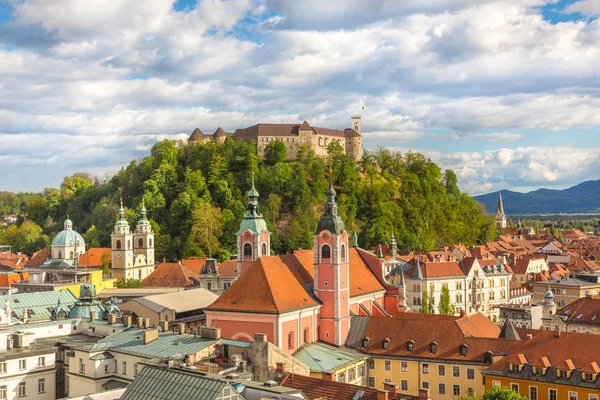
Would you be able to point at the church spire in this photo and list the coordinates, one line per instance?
(331, 220)
(500, 207)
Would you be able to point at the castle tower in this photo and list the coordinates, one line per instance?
(356, 124)
(331, 278)
(143, 244)
(253, 237)
(549, 306)
(122, 248)
(500, 216)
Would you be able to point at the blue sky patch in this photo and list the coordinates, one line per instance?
(556, 13)
(184, 5)
(6, 13)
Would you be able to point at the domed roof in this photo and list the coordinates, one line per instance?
(68, 237)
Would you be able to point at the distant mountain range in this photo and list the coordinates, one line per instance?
(582, 198)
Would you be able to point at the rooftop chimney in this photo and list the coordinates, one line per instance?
(163, 325)
(112, 318)
(210, 332)
(424, 394)
(145, 323)
(180, 328)
(150, 335)
(126, 320)
(260, 337)
(328, 377)
(92, 316)
(382, 395)
(392, 389)
(140, 322)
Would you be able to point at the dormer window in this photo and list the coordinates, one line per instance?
(539, 371)
(589, 377)
(434, 346)
(386, 343)
(488, 357)
(564, 374)
(515, 367)
(411, 345)
(366, 341)
(463, 349)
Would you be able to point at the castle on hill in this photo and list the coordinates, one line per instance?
(293, 136)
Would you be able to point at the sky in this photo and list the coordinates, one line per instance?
(504, 92)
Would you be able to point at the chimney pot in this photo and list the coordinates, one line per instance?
(163, 325)
(382, 395)
(112, 318)
(328, 377)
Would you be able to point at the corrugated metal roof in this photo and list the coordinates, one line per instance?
(168, 344)
(39, 305)
(114, 384)
(323, 358)
(162, 383)
(358, 327)
(238, 343)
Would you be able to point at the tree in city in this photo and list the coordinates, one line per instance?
(446, 307)
(424, 303)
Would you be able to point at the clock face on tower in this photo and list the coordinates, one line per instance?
(325, 236)
(247, 235)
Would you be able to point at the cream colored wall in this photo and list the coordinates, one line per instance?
(30, 376)
(416, 377)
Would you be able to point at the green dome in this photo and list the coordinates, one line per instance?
(256, 226)
(83, 309)
(68, 237)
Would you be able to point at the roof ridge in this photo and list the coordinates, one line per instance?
(264, 273)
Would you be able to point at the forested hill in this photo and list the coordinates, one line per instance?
(582, 198)
(196, 195)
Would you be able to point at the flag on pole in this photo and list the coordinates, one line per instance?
(362, 105)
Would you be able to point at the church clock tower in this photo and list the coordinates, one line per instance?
(331, 278)
(143, 244)
(253, 237)
(122, 248)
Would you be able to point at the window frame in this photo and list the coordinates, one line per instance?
(42, 382)
(537, 393)
(387, 365)
(456, 371)
(471, 370)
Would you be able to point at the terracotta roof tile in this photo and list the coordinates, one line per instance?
(585, 310)
(38, 258)
(171, 275)
(93, 257)
(318, 389)
(563, 349)
(424, 331)
(228, 268)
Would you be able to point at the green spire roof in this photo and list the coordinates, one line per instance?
(121, 221)
(143, 220)
(253, 219)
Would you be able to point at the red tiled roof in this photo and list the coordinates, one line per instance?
(228, 268)
(447, 332)
(38, 258)
(8, 265)
(318, 389)
(194, 264)
(585, 310)
(268, 286)
(93, 257)
(171, 275)
(563, 349)
(438, 269)
(275, 283)
(7, 280)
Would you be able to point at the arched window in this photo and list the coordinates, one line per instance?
(129, 244)
(149, 242)
(71, 255)
(140, 243)
(60, 254)
(118, 245)
(343, 252)
(325, 251)
(247, 250)
(264, 249)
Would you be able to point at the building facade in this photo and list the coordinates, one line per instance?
(294, 136)
(132, 252)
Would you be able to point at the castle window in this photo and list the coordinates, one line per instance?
(343, 252)
(247, 250)
(129, 244)
(141, 243)
(325, 251)
(149, 242)
(118, 245)
(264, 249)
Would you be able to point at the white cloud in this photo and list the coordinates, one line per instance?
(587, 7)
(467, 66)
(500, 137)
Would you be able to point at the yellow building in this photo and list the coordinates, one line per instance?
(53, 279)
(551, 366)
(345, 365)
(443, 354)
